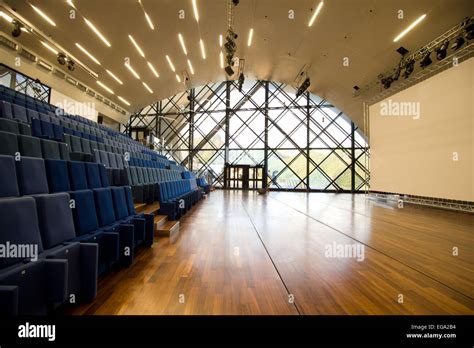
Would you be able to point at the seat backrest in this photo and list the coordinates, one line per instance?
(10, 126)
(64, 151)
(86, 146)
(58, 176)
(84, 212)
(112, 160)
(55, 219)
(8, 144)
(19, 113)
(120, 202)
(105, 207)
(19, 225)
(31, 174)
(119, 161)
(8, 180)
(29, 146)
(104, 178)
(76, 144)
(93, 175)
(32, 114)
(104, 159)
(77, 175)
(50, 149)
(129, 198)
(6, 109)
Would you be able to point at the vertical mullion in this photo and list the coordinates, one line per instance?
(307, 138)
(191, 129)
(353, 157)
(265, 156)
(227, 116)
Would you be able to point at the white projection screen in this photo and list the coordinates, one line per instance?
(421, 138)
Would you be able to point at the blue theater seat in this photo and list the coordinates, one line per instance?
(28, 287)
(77, 175)
(31, 174)
(8, 180)
(93, 175)
(8, 144)
(88, 231)
(58, 176)
(58, 235)
(6, 110)
(108, 223)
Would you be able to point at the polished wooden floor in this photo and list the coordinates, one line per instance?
(241, 253)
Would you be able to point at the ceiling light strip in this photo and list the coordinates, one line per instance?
(115, 77)
(97, 32)
(410, 27)
(88, 54)
(42, 14)
(313, 18)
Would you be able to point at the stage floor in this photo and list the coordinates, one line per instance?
(242, 253)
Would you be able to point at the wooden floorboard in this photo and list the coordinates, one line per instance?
(242, 253)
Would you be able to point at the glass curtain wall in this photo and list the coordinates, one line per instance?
(304, 143)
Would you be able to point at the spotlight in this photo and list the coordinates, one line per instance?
(402, 50)
(232, 34)
(16, 28)
(442, 50)
(409, 67)
(229, 71)
(458, 43)
(387, 82)
(470, 31)
(235, 2)
(71, 65)
(304, 86)
(426, 60)
(61, 58)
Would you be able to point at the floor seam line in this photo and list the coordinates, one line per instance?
(270, 257)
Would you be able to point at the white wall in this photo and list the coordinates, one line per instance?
(416, 156)
(72, 106)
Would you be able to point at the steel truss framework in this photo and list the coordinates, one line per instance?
(303, 143)
(24, 84)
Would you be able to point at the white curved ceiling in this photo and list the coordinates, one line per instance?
(362, 30)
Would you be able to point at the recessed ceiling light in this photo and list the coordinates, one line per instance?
(49, 47)
(105, 87)
(178, 78)
(190, 67)
(311, 21)
(220, 40)
(203, 50)
(71, 4)
(132, 71)
(221, 56)
(170, 63)
(249, 43)
(87, 53)
(196, 14)
(148, 19)
(6, 17)
(152, 68)
(136, 46)
(148, 88)
(410, 27)
(42, 14)
(123, 100)
(115, 77)
(97, 32)
(181, 40)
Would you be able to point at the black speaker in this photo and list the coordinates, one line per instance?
(100, 119)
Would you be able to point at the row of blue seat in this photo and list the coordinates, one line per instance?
(102, 216)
